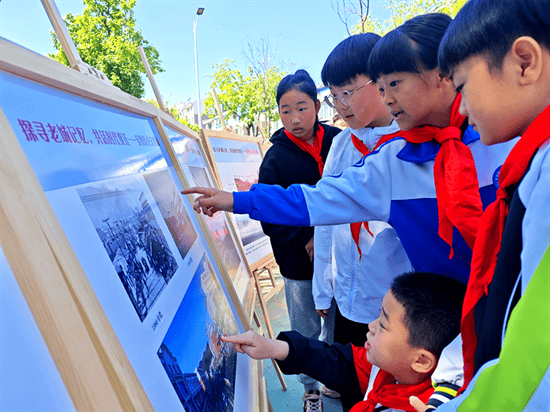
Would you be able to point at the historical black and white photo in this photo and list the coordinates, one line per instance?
(130, 233)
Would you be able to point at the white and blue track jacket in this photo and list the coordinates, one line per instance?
(357, 285)
(393, 184)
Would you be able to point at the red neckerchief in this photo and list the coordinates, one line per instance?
(388, 393)
(315, 149)
(455, 176)
(364, 150)
(487, 245)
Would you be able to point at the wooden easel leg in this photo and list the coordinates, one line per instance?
(271, 276)
(263, 307)
(257, 320)
(268, 327)
(279, 374)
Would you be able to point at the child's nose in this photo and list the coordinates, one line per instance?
(371, 327)
(462, 109)
(388, 99)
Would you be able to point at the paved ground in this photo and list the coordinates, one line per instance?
(291, 400)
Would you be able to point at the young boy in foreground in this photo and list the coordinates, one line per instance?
(420, 315)
(505, 83)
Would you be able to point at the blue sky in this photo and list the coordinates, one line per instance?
(303, 32)
(189, 325)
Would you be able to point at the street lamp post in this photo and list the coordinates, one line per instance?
(199, 12)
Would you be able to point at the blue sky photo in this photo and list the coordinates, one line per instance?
(186, 338)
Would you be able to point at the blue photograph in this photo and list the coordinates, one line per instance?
(199, 365)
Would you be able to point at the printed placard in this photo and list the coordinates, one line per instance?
(117, 198)
(237, 164)
(197, 173)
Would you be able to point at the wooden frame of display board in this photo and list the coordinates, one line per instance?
(197, 153)
(188, 151)
(233, 137)
(88, 346)
(266, 286)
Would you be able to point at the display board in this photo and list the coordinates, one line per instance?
(236, 162)
(122, 278)
(197, 172)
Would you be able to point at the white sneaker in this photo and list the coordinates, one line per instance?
(313, 401)
(329, 392)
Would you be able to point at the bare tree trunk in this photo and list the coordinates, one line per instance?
(346, 8)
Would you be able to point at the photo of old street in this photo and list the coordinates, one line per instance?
(129, 231)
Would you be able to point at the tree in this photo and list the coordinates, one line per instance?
(265, 77)
(231, 87)
(400, 11)
(347, 8)
(247, 96)
(106, 38)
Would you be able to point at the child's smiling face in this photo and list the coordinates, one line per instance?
(387, 341)
(417, 99)
(410, 98)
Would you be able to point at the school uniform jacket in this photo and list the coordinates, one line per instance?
(285, 164)
(512, 357)
(357, 285)
(393, 184)
(343, 368)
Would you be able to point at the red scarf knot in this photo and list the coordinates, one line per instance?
(455, 176)
(315, 149)
(448, 133)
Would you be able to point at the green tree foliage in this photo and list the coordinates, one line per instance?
(403, 10)
(247, 96)
(175, 114)
(106, 38)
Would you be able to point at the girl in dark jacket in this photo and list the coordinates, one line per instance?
(297, 156)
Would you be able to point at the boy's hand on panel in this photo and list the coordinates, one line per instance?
(257, 346)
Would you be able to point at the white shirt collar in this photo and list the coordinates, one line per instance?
(371, 135)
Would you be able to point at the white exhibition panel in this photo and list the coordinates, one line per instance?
(29, 379)
(238, 163)
(117, 199)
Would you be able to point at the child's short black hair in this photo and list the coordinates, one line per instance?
(433, 307)
(411, 47)
(490, 27)
(301, 81)
(348, 59)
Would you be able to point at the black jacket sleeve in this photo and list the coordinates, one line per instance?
(332, 365)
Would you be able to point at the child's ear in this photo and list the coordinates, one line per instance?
(444, 81)
(424, 362)
(526, 55)
(317, 106)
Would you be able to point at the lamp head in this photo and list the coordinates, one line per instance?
(200, 10)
